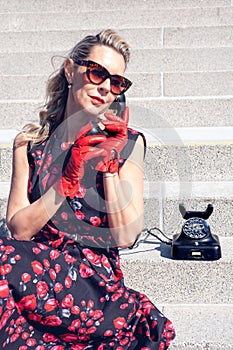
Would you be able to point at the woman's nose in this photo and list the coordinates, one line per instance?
(105, 86)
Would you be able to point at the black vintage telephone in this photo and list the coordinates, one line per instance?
(196, 241)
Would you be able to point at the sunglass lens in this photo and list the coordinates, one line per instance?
(97, 74)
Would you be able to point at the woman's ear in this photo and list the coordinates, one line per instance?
(69, 70)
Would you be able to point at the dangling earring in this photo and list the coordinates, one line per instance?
(69, 85)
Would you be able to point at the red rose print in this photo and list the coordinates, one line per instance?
(68, 282)
(52, 274)
(119, 322)
(36, 250)
(58, 287)
(85, 271)
(25, 335)
(64, 216)
(42, 289)
(51, 321)
(75, 310)
(43, 246)
(14, 337)
(9, 249)
(37, 267)
(50, 304)
(4, 319)
(57, 268)
(74, 325)
(69, 338)
(79, 347)
(97, 314)
(26, 277)
(39, 347)
(17, 257)
(108, 333)
(89, 323)
(67, 302)
(124, 342)
(83, 316)
(34, 317)
(57, 347)
(54, 254)
(46, 263)
(10, 304)
(70, 259)
(90, 304)
(31, 342)
(92, 257)
(79, 215)
(49, 338)
(7, 268)
(105, 262)
(95, 220)
(91, 330)
(4, 289)
(28, 303)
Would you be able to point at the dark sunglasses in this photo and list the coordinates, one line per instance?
(97, 74)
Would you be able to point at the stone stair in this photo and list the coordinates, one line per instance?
(182, 99)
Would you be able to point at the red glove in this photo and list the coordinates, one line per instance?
(82, 151)
(116, 127)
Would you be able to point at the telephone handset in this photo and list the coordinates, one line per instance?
(117, 107)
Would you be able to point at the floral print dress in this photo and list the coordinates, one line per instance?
(65, 288)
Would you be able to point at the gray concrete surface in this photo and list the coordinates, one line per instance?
(181, 64)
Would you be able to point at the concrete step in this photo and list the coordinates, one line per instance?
(187, 163)
(181, 112)
(174, 154)
(195, 295)
(146, 38)
(162, 204)
(153, 85)
(201, 326)
(162, 201)
(77, 6)
(150, 17)
(146, 112)
(157, 60)
(150, 269)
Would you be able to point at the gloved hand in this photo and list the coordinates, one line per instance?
(83, 150)
(116, 127)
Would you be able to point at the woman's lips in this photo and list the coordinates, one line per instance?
(97, 100)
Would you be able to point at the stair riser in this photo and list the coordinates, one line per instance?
(157, 60)
(162, 17)
(77, 6)
(179, 282)
(144, 113)
(170, 163)
(145, 85)
(166, 216)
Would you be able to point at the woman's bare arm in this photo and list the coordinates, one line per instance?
(124, 198)
(23, 219)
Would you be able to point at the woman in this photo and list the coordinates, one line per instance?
(76, 196)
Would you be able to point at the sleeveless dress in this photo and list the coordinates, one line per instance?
(65, 288)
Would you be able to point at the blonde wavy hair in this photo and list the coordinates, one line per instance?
(53, 110)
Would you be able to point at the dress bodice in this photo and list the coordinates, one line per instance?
(84, 217)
